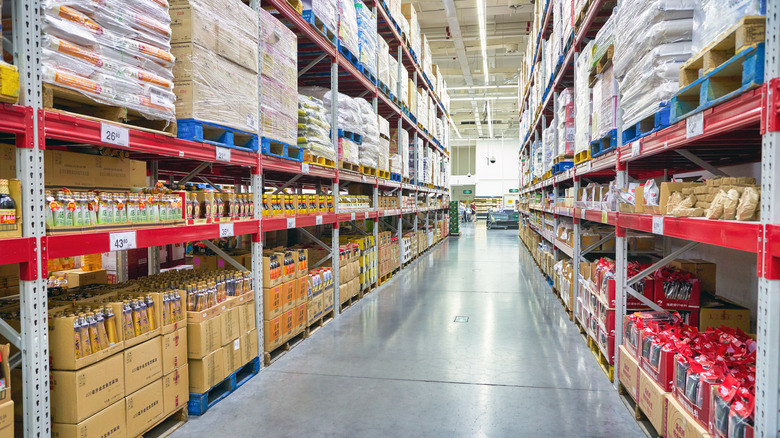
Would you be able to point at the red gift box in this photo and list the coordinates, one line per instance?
(608, 293)
(663, 371)
(692, 303)
(700, 409)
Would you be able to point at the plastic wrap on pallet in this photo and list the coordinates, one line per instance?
(392, 75)
(121, 61)
(384, 126)
(548, 147)
(565, 121)
(422, 108)
(401, 149)
(604, 117)
(384, 154)
(382, 64)
(582, 101)
(348, 151)
(369, 147)
(213, 89)
(326, 10)
(604, 38)
(414, 28)
(396, 164)
(349, 118)
(404, 79)
(348, 29)
(427, 57)
(713, 17)
(279, 84)
(314, 127)
(367, 37)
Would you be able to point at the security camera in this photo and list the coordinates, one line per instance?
(469, 175)
(493, 159)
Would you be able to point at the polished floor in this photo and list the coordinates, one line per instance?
(397, 365)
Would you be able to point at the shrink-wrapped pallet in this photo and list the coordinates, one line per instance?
(348, 28)
(382, 66)
(367, 37)
(325, 10)
(314, 128)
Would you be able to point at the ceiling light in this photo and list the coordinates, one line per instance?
(482, 87)
(490, 119)
(477, 98)
(483, 38)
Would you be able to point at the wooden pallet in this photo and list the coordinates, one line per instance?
(272, 356)
(405, 180)
(383, 174)
(343, 165)
(385, 278)
(199, 403)
(602, 64)
(319, 323)
(9, 83)
(368, 170)
(608, 368)
(349, 302)
(747, 33)
(167, 425)
(561, 158)
(59, 99)
(318, 161)
(639, 416)
(297, 5)
(581, 157)
(580, 16)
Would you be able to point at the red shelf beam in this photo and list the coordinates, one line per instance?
(17, 250)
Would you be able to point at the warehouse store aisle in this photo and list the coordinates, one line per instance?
(396, 363)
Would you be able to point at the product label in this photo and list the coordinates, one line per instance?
(7, 216)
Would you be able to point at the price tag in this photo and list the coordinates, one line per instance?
(305, 168)
(290, 222)
(114, 134)
(352, 216)
(658, 225)
(223, 154)
(636, 148)
(181, 154)
(694, 125)
(366, 215)
(318, 220)
(362, 178)
(122, 240)
(226, 229)
(604, 217)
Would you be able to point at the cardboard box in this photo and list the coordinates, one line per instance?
(628, 371)
(272, 332)
(143, 364)
(679, 424)
(302, 262)
(302, 290)
(705, 271)
(288, 324)
(272, 269)
(667, 188)
(77, 395)
(74, 171)
(208, 263)
(7, 418)
(249, 346)
(203, 338)
(174, 350)
(273, 303)
(718, 313)
(314, 309)
(77, 277)
(327, 299)
(289, 292)
(207, 372)
(143, 408)
(692, 303)
(246, 314)
(176, 389)
(301, 316)
(108, 423)
(652, 399)
(234, 355)
(229, 325)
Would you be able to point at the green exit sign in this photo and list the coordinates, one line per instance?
(514, 190)
(467, 192)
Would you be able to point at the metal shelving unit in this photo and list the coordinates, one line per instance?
(743, 130)
(36, 129)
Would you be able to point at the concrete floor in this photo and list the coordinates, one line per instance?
(396, 365)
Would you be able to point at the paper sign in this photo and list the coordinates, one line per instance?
(658, 225)
(290, 222)
(226, 229)
(694, 125)
(223, 154)
(122, 241)
(318, 220)
(114, 134)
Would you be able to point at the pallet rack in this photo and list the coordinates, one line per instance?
(742, 130)
(34, 129)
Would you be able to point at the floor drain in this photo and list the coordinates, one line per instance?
(461, 319)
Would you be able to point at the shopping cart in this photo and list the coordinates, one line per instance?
(506, 219)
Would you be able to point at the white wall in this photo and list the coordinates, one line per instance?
(495, 179)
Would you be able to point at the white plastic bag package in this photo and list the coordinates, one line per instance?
(713, 17)
(396, 164)
(349, 151)
(367, 37)
(604, 38)
(664, 32)
(382, 64)
(314, 127)
(348, 30)
(87, 48)
(582, 101)
(326, 10)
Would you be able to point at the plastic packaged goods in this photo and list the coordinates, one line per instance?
(348, 29)
(384, 126)
(427, 58)
(382, 64)
(367, 37)
(392, 74)
(212, 89)
(396, 165)
(314, 127)
(279, 87)
(604, 39)
(326, 10)
(713, 17)
(565, 120)
(582, 101)
(369, 147)
(407, 9)
(348, 151)
(116, 54)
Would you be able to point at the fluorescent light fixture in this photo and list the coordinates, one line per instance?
(483, 38)
(490, 119)
(477, 98)
(482, 87)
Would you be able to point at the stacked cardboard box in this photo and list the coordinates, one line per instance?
(279, 88)
(389, 253)
(319, 297)
(215, 45)
(367, 259)
(286, 286)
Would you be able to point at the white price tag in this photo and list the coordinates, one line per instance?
(157, 97)
(582, 214)
(251, 121)
(694, 125)
(181, 154)
(365, 215)
(636, 148)
(223, 154)
(658, 225)
(114, 134)
(305, 168)
(318, 220)
(122, 240)
(362, 178)
(352, 216)
(290, 222)
(226, 229)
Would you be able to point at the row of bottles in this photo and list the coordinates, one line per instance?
(79, 209)
(286, 204)
(210, 205)
(204, 289)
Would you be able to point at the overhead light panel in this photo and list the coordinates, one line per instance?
(483, 38)
(481, 87)
(477, 98)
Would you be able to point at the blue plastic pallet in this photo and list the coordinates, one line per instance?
(562, 167)
(215, 134)
(648, 125)
(357, 138)
(383, 88)
(742, 72)
(199, 403)
(367, 74)
(414, 55)
(603, 145)
(309, 16)
(348, 55)
(280, 149)
(395, 177)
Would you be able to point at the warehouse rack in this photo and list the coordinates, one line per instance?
(745, 129)
(34, 129)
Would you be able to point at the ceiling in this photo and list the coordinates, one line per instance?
(456, 47)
